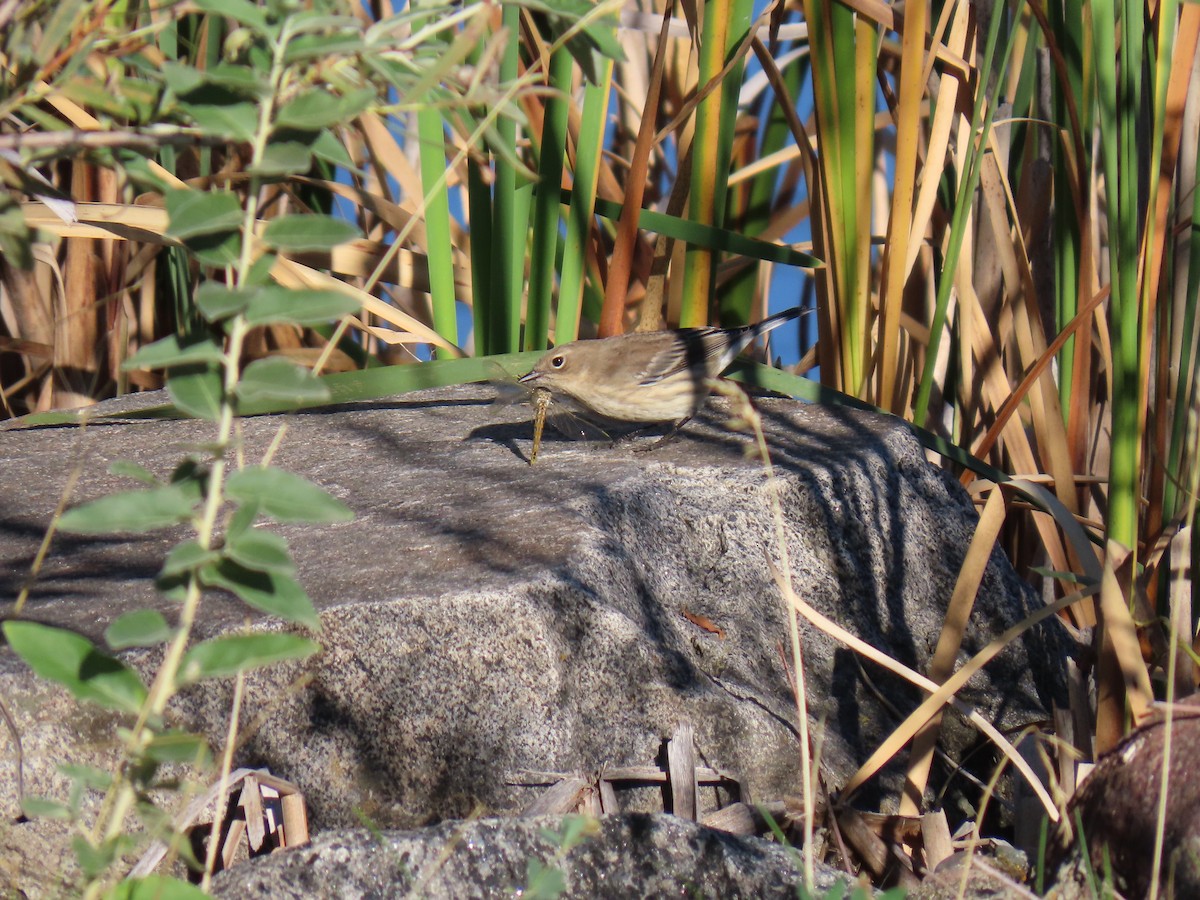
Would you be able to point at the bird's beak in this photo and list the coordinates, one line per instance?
(530, 377)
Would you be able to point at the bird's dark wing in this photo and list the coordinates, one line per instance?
(691, 351)
(704, 352)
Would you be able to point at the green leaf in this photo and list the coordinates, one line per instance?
(324, 46)
(320, 109)
(154, 887)
(193, 468)
(172, 587)
(271, 592)
(89, 777)
(138, 171)
(261, 551)
(143, 509)
(260, 270)
(169, 352)
(70, 659)
(140, 628)
(179, 747)
(327, 147)
(127, 469)
(16, 237)
(96, 860)
(155, 821)
(241, 520)
(238, 78)
(543, 882)
(186, 557)
(316, 21)
(45, 808)
(100, 98)
(226, 656)
(241, 11)
(180, 78)
(311, 110)
(217, 302)
(575, 830)
(274, 303)
(197, 393)
(284, 158)
(216, 250)
(275, 379)
(194, 213)
(308, 231)
(233, 121)
(286, 497)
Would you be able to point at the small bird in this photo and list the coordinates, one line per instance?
(659, 376)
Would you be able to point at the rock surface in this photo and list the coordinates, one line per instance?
(482, 617)
(1118, 808)
(624, 856)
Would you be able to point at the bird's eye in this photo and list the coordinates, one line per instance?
(557, 362)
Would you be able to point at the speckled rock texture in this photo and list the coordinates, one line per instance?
(634, 855)
(483, 617)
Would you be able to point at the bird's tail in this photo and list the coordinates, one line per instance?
(752, 333)
(761, 328)
(741, 338)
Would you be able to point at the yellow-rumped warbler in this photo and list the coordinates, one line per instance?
(658, 376)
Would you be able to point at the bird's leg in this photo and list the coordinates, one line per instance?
(666, 438)
(625, 436)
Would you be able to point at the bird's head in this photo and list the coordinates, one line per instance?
(558, 369)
